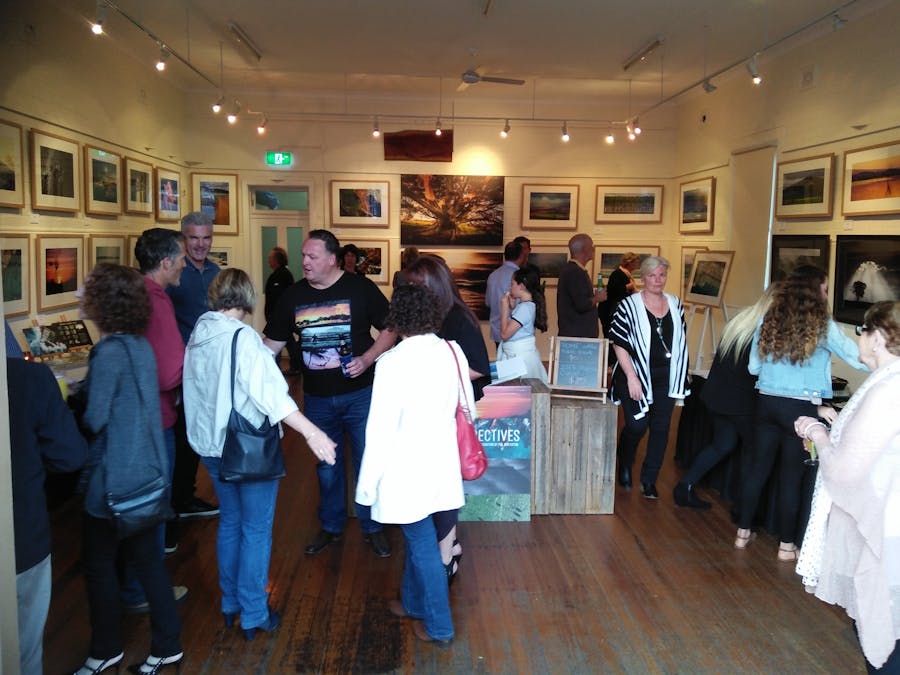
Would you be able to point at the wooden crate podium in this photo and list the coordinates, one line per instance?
(574, 459)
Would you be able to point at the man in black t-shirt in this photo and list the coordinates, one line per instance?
(333, 313)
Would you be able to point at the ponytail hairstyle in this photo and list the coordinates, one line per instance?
(530, 278)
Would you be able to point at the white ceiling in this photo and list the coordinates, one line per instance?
(396, 57)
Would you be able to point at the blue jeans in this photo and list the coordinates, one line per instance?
(424, 591)
(33, 596)
(244, 544)
(337, 415)
(132, 593)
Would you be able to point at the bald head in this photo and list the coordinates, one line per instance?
(581, 248)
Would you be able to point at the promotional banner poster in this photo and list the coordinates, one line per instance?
(503, 423)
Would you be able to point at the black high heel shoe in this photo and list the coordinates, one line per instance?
(452, 567)
(95, 666)
(272, 622)
(157, 664)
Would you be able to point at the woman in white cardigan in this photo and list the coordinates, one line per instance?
(651, 371)
(851, 550)
(410, 469)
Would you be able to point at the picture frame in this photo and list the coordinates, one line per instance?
(628, 204)
(805, 187)
(223, 256)
(12, 159)
(871, 185)
(549, 207)
(167, 191)
(131, 257)
(550, 260)
(55, 173)
(687, 264)
(607, 258)
(217, 196)
(102, 182)
(697, 206)
(866, 271)
(578, 364)
(109, 249)
(448, 210)
(470, 269)
(709, 278)
(360, 203)
(376, 259)
(790, 250)
(15, 263)
(138, 187)
(59, 271)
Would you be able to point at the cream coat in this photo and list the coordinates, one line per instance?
(410, 468)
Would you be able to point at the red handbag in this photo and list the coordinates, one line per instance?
(473, 461)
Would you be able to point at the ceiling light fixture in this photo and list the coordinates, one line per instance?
(261, 128)
(163, 55)
(97, 25)
(637, 127)
(217, 106)
(505, 131)
(753, 69)
(233, 115)
(642, 53)
(239, 35)
(565, 132)
(610, 137)
(437, 127)
(629, 129)
(376, 132)
(708, 86)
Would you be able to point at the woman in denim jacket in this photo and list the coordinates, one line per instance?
(791, 354)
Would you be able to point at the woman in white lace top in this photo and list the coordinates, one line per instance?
(851, 552)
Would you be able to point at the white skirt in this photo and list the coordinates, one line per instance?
(525, 349)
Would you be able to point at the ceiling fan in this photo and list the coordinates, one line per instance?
(472, 76)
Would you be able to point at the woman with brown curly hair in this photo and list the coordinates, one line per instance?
(791, 354)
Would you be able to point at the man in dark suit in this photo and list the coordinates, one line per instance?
(576, 296)
(43, 437)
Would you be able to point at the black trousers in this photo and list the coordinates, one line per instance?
(727, 431)
(775, 439)
(101, 548)
(184, 476)
(657, 420)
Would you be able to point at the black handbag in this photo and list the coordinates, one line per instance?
(141, 508)
(250, 453)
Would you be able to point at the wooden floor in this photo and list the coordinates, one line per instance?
(651, 589)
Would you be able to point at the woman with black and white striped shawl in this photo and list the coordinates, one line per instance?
(651, 372)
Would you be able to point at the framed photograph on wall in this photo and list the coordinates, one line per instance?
(607, 259)
(709, 277)
(222, 256)
(549, 207)
(697, 206)
(12, 176)
(59, 271)
(451, 210)
(167, 188)
(866, 271)
(550, 260)
(628, 204)
(55, 173)
(790, 251)
(138, 187)
(804, 188)
(376, 256)
(131, 259)
(871, 181)
(216, 196)
(102, 182)
(687, 264)
(15, 258)
(470, 271)
(108, 249)
(360, 203)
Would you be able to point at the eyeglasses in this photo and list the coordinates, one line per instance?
(862, 329)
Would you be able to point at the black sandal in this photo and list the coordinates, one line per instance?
(452, 567)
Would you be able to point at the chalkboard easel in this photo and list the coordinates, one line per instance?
(579, 365)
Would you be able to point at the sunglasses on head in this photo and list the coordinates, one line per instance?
(862, 329)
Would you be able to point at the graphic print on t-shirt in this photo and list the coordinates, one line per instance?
(324, 333)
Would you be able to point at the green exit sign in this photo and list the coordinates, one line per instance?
(279, 158)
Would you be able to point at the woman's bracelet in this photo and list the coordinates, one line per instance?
(811, 425)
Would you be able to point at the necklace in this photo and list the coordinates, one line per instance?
(659, 334)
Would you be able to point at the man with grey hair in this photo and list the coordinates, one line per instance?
(189, 299)
(576, 297)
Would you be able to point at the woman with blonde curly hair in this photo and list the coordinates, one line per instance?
(791, 355)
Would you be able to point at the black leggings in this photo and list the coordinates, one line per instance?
(657, 420)
(727, 430)
(775, 439)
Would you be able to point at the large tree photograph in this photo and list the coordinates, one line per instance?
(454, 210)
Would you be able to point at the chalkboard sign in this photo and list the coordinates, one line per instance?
(578, 364)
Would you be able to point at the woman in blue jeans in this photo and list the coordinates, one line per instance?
(247, 509)
(410, 469)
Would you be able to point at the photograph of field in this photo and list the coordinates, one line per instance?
(456, 210)
(803, 187)
(550, 206)
(872, 180)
